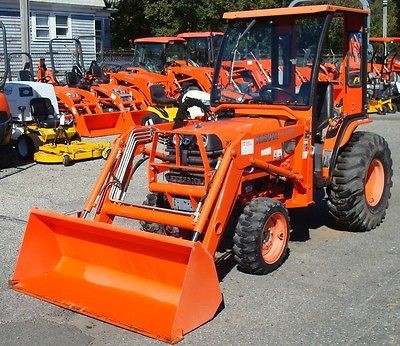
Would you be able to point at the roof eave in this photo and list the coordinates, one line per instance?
(290, 11)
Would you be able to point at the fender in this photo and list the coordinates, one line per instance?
(334, 142)
(167, 113)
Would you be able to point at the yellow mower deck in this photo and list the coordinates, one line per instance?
(75, 151)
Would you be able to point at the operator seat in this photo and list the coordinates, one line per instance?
(42, 112)
(97, 72)
(73, 80)
(25, 76)
(157, 93)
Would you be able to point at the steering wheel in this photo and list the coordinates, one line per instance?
(184, 114)
(171, 63)
(265, 88)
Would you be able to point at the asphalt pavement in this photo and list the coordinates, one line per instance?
(335, 288)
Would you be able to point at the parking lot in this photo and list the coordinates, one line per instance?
(334, 288)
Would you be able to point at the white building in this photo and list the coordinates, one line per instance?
(51, 19)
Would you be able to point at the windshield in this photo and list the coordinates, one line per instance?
(175, 51)
(150, 56)
(202, 51)
(267, 61)
(198, 51)
(154, 56)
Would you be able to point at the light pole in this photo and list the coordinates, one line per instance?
(384, 17)
(384, 22)
(25, 32)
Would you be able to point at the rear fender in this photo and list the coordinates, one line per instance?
(338, 137)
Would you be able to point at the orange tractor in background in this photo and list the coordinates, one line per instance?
(150, 267)
(168, 56)
(161, 73)
(5, 115)
(99, 106)
(384, 75)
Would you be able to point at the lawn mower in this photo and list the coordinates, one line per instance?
(39, 132)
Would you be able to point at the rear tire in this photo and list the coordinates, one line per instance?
(76, 137)
(361, 180)
(261, 236)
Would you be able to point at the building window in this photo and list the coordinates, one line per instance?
(61, 26)
(99, 34)
(42, 26)
(50, 25)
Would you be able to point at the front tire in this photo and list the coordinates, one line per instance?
(67, 160)
(361, 180)
(105, 153)
(383, 111)
(393, 108)
(27, 145)
(261, 236)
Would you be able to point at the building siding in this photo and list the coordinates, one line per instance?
(81, 25)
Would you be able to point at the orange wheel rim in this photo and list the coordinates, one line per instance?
(274, 238)
(374, 183)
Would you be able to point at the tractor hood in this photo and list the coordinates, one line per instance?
(266, 137)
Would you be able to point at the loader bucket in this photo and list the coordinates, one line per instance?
(106, 124)
(159, 286)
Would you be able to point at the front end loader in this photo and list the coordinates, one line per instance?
(149, 267)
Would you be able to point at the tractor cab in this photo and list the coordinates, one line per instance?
(155, 53)
(288, 47)
(202, 47)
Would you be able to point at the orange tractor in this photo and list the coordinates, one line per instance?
(99, 106)
(161, 73)
(384, 75)
(168, 57)
(256, 155)
(5, 115)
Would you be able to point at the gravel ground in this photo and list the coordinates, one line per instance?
(334, 288)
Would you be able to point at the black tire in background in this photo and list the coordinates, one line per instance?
(154, 200)
(361, 181)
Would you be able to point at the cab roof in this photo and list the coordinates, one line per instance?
(200, 34)
(389, 39)
(159, 39)
(290, 11)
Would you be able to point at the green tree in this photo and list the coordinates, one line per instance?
(139, 18)
(128, 22)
